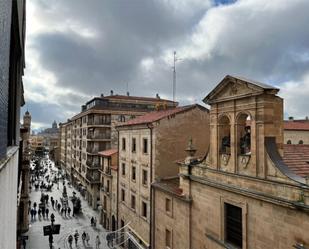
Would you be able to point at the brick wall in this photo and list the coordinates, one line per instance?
(5, 24)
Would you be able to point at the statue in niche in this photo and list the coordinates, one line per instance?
(226, 144)
(245, 142)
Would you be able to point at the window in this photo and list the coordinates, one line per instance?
(134, 144)
(121, 118)
(107, 186)
(123, 169)
(168, 238)
(244, 134)
(133, 173)
(233, 225)
(301, 142)
(144, 209)
(289, 142)
(145, 145)
(145, 177)
(123, 143)
(224, 135)
(123, 195)
(168, 205)
(133, 200)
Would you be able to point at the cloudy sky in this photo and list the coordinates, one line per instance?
(77, 49)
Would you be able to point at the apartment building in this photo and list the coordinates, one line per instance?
(244, 193)
(296, 131)
(149, 146)
(93, 130)
(12, 37)
(108, 188)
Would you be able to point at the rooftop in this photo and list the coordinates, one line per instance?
(108, 152)
(158, 115)
(171, 185)
(296, 157)
(300, 125)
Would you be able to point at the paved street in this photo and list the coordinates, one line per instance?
(68, 224)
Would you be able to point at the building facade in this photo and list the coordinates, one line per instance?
(296, 131)
(93, 130)
(148, 148)
(24, 176)
(241, 194)
(12, 37)
(108, 188)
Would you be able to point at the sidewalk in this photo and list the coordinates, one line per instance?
(68, 224)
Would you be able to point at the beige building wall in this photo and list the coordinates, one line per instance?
(167, 140)
(171, 137)
(295, 136)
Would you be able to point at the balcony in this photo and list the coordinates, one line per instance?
(93, 165)
(93, 178)
(98, 122)
(99, 136)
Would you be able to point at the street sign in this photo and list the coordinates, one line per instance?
(47, 230)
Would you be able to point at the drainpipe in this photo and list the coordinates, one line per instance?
(152, 230)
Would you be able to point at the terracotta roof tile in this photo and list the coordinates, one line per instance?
(171, 185)
(296, 157)
(156, 116)
(138, 98)
(302, 125)
(108, 152)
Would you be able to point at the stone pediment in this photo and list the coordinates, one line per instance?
(232, 87)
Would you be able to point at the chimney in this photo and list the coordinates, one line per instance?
(112, 92)
(128, 94)
(157, 96)
(291, 119)
(102, 95)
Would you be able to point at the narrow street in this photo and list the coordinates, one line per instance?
(69, 224)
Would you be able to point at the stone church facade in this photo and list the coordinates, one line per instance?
(241, 194)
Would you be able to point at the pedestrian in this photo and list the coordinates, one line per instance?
(65, 212)
(84, 237)
(87, 238)
(34, 205)
(70, 239)
(62, 210)
(95, 221)
(69, 211)
(97, 242)
(76, 235)
(24, 244)
(92, 221)
(56, 203)
(47, 211)
(43, 212)
(53, 203)
(39, 213)
(59, 206)
(34, 214)
(31, 212)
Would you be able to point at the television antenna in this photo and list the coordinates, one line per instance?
(174, 75)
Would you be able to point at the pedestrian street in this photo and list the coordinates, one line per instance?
(69, 225)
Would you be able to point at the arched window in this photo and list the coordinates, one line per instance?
(301, 142)
(289, 142)
(244, 134)
(224, 135)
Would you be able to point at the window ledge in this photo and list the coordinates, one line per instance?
(11, 151)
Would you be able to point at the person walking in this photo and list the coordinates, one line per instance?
(52, 202)
(84, 237)
(92, 221)
(24, 244)
(95, 221)
(69, 211)
(59, 207)
(76, 236)
(97, 242)
(65, 212)
(39, 213)
(87, 238)
(70, 239)
(47, 211)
